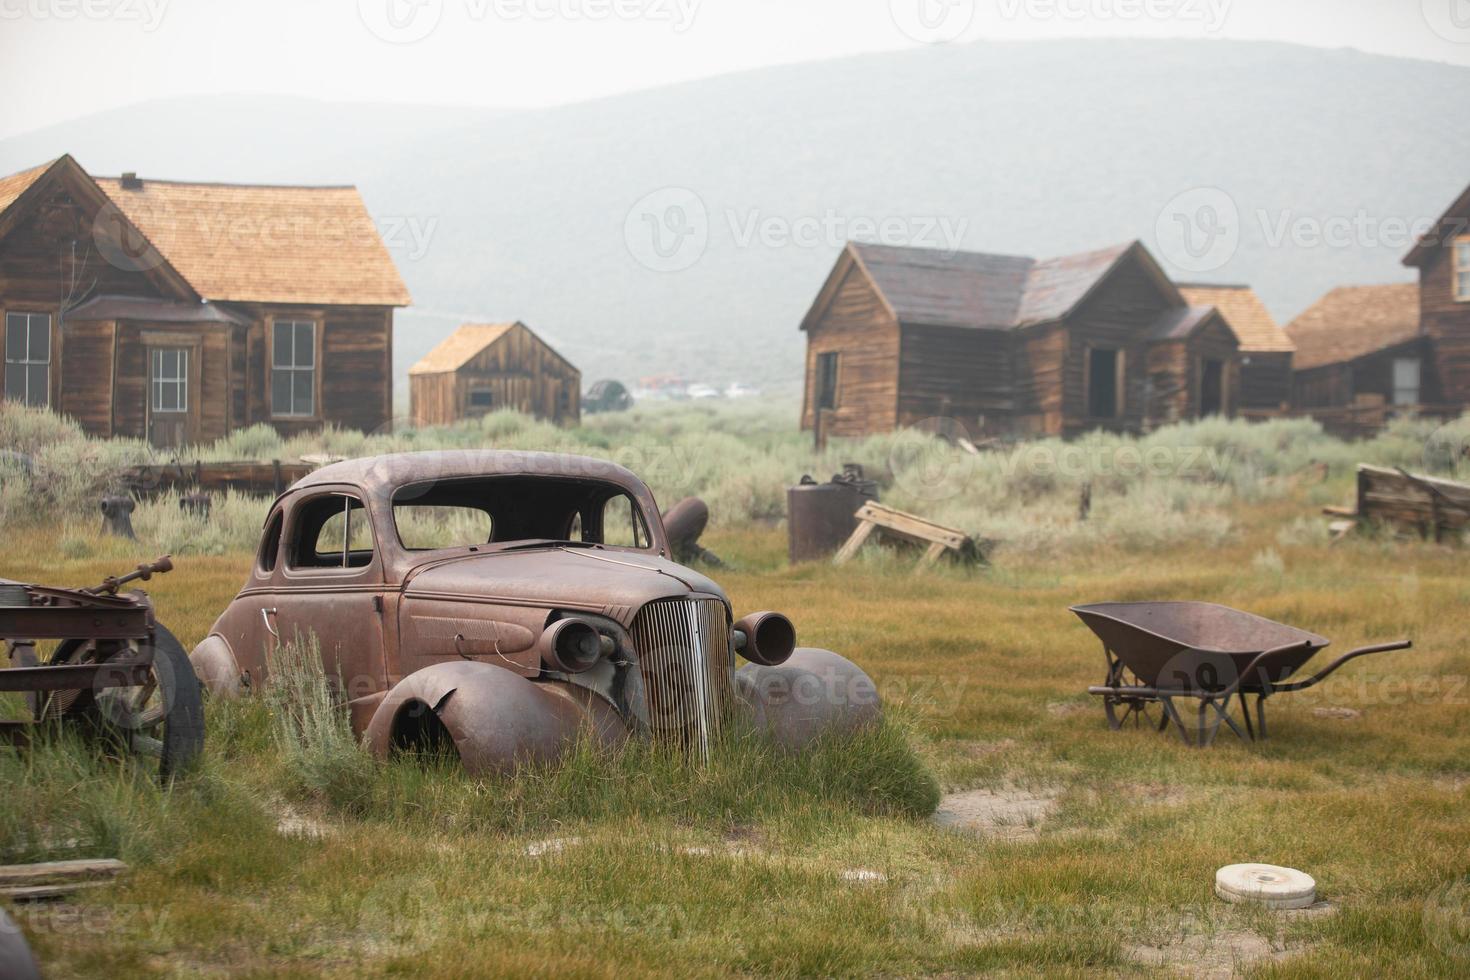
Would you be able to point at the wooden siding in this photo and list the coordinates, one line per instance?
(1265, 383)
(1117, 316)
(1367, 378)
(89, 349)
(519, 370)
(1040, 360)
(1446, 322)
(858, 327)
(956, 373)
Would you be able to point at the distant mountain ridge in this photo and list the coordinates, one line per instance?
(687, 228)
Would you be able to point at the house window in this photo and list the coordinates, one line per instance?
(28, 358)
(482, 398)
(1407, 381)
(827, 380)
(293, 368)
(1104, 392)
(169, 380)
(1462, 270)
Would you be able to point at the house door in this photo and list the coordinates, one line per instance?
(1212, 388)
(173, 404)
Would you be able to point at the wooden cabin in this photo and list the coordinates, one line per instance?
(179, 312)
(1361, 356)
(1266, 350)
(1011, 345)
(484, 367)
(1443, 259)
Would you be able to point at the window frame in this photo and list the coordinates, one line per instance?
(286, 561)
(180, 380)
(1460, 269)
(824, 393)
(1393, 379)
(314, 370)
(28, 362)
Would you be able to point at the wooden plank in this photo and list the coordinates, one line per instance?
(59, 872)
(911, 526)
(855, 543)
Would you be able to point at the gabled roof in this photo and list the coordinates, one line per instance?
(1257, 329)
(1452, 224)
(117, 237)
(976, 290)
(1181, 322)
(1353, 321)
(261, 244)
(15, 185)
(461, 347)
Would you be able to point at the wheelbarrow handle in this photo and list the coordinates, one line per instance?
(1255, 665)
(1327, 671)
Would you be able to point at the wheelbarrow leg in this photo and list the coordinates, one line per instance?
(1261, 715)
(1172, 713)
(1245, 712)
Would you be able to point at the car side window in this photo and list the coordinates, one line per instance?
(622, 523)
(270, 542)
(331, 531)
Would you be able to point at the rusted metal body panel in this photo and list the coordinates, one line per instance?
(569, 612)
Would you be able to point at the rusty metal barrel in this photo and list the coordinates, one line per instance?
(819, 516)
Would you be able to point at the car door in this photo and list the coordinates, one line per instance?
(331, 588)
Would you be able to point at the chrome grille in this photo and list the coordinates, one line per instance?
(684, 648)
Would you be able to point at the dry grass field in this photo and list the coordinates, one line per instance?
(1084, 851)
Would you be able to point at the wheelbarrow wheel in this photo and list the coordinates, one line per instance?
(1123, 711)
(161, 721)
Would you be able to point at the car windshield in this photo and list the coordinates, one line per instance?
(518, 511)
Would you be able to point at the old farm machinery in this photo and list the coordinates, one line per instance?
(97, 660)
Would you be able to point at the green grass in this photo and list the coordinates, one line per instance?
(287, 857)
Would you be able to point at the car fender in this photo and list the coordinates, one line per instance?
(496, 719)
(813, 692)
(215, 665)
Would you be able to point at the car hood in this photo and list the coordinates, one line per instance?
(611, 583)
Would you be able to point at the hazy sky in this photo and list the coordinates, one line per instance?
(65, 58)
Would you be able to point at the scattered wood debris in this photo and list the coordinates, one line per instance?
(54, 879)
(1433, 508)
(938, 540)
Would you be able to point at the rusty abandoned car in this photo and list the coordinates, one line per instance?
(503, 602)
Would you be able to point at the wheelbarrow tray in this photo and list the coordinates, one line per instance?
(1151, 637)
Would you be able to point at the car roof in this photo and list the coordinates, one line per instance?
(384, 474)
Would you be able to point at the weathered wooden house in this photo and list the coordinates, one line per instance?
(484, 367)
(1008, 344)
(1443, 259)
(1361, 348)
(178, 312)
(1266, 351)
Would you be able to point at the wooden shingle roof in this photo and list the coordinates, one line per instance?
(15, 185)
(244, 243)
(936, 287)
(1257, 329)
(1353, 321)
(461, 347)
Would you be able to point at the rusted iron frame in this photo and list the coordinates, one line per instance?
(1219, 701)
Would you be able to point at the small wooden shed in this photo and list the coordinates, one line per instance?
(485, 367)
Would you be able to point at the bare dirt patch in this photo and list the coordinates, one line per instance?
(1006, 813)
(1218, 954)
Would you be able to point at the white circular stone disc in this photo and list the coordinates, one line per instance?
(1266, 884)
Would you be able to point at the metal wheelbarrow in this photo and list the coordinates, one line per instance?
(1162, 652)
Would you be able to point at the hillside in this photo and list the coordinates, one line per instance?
(1033, 148)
